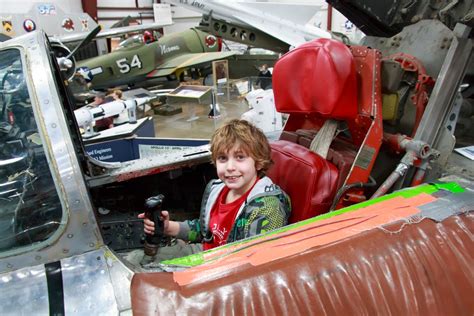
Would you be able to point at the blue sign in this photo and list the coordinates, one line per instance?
(121, 150)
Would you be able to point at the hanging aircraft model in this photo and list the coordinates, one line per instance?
(139, 59)
(258, 24)
(67, 220)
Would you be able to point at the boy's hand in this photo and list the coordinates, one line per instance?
(149, 225)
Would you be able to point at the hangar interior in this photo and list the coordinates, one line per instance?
(375, 120)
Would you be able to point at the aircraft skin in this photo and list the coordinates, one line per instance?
(138, 61)
(113, 32)
(58, 207)
(271, 18)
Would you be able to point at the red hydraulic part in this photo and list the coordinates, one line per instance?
(420, 97)
(417, 154)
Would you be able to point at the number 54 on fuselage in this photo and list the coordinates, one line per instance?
(140, 58)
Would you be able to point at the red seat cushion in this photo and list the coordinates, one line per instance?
(317, 77)
(309, 180)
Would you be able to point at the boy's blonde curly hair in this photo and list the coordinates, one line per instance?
(250, 138)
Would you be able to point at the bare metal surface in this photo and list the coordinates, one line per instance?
(446, 86)
(79, 232)
(436, 38)
(460, 166)
(95, 283)
(432, 128)
(20, 288)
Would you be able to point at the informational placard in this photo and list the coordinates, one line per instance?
(220, 72)
(162, 13)
(146, 150)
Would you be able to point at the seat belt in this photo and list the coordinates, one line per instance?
(323, 139)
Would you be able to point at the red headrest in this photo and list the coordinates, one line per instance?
(317, 77)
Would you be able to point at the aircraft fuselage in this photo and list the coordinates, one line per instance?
(136, 60)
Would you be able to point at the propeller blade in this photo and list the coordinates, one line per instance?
(86, 40)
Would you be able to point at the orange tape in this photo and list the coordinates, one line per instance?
(292, 242)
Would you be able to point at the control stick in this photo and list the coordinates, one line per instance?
(153, 213)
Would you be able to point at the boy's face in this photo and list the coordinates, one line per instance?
(237, 169)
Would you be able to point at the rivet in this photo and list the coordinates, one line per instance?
(53, 125)
(91, 244)
(70, 235)
(65, 250)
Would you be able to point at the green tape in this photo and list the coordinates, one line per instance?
(188, 261)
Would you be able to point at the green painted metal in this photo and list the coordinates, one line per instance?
(135, 61)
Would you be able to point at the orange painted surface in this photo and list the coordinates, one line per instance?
(274, 247)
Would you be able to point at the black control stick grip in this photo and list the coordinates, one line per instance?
(153, 213)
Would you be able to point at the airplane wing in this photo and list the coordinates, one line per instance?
(187, 60)
(109, 32)
(300, 13)
(278, 31)
(269, 17)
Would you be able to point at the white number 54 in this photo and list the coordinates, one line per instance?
(125, 67)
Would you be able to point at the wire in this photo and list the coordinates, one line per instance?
(348, 187)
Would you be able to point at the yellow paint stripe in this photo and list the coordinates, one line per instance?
(189, 60)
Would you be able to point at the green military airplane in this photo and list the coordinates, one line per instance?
(141, 58)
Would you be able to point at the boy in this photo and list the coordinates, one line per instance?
(242, 203)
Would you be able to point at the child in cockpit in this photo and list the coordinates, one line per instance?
(242, 203)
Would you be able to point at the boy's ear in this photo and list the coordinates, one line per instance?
(258, 166)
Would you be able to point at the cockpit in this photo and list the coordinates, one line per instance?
(137, 40)
(30, 211)
(132, 41)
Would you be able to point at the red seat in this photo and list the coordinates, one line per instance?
(309, 179)
(321, 82)
(341, 153)
(311, 83)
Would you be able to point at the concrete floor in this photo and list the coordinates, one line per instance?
(193, 121)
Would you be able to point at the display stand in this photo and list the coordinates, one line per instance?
(220, 73)
(191, 95)
(215, 110)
